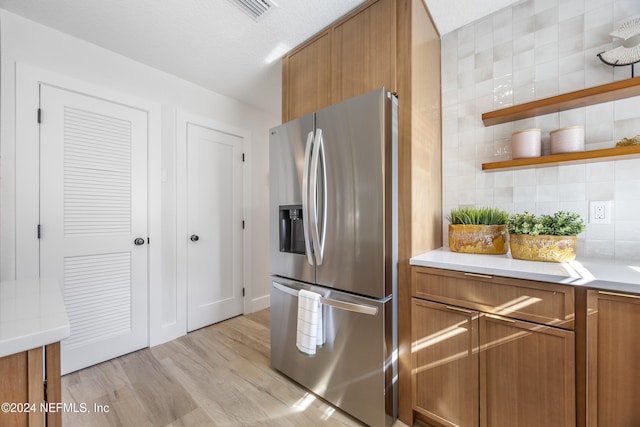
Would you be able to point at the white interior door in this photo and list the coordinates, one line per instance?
(214, 226)
(93, 208)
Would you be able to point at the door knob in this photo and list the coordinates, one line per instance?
(194, 238)
(139, 241)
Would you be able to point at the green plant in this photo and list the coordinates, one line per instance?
(561, 223)
(473, 215)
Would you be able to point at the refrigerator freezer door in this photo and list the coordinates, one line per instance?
(354, 369)
(287, 146)
(356, 159)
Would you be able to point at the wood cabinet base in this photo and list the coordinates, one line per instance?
(23, 387)
(613, 345)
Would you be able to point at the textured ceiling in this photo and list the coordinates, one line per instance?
(211, 42)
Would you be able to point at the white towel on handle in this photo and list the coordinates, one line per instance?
(309, 330)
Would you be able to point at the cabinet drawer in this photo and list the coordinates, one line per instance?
(538, 302)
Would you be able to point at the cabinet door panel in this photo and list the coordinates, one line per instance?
(527, 374)
(307, 78)
(613, 346)
(445, 363)
(364, 51)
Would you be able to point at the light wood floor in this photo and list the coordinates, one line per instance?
(215, 376)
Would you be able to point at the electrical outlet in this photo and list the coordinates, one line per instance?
(600, 212)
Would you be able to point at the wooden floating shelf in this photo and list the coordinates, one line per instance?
(581, 98)
(603, 155)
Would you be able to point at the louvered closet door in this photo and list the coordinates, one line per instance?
(93, 205)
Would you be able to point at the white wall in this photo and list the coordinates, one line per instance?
(26, 42)
(532, 50)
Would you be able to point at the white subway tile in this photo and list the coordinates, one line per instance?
(601, 190)
(626, 210)
(546, 88)
(578, 206)
(624, 10)
(484, 42)
(524, 76)
(547, 175)
(628, 230)
(532, 50)
(503, 179)
(628, 190)
(573, 117)
(503, 195)
(600, 231)
(602, 171)
(595, 17)
(524, 194)
(547, 35)
(524, 43)
(627, 250)
(572, 174)
(627, 170)
(525, 93)
(484, 196)
(568, 9)
(548, 193)
(626, 128)
(571, 192)
(544, 5)
(600, 248)
(571, 44)
(571, 63)
(524, 177)
(547, 208)
(628, 108)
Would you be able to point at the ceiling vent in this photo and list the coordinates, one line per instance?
(254, 8)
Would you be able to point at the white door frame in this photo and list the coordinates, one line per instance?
(183, 118)
(27, 198)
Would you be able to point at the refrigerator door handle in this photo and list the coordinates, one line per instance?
(305, 198)
(318, 240)
(342, 305)
(349, 306)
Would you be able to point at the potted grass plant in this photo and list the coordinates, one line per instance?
(544, 237)
(478, 230)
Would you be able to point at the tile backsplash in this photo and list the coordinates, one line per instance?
(532, 50)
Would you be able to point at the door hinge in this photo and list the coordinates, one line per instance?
(243, 157)
(243, 224)
(39, 231)
(242, 291)
(39, 115)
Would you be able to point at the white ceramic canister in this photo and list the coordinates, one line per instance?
(567, 140)
(526, 143)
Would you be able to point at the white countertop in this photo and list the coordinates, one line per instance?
(613, 275)
(32, 314)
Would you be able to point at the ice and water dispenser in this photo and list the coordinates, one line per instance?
(291, 229)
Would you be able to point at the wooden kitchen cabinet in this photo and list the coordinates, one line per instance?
(353, 56)
(613, 351)
(445, 363)
(527, 374)
(23, 386)
(306, 75)
(479, 359)
(364, 51)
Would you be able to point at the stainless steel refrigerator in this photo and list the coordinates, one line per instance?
(333, 219)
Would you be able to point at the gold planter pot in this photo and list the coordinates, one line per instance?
(543, 247)
(478, 239)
